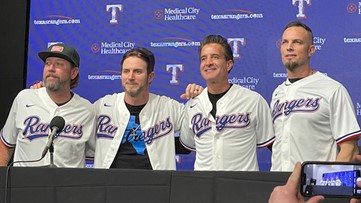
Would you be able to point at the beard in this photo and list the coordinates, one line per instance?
(133, 92)
(291, 66)
(54, 86)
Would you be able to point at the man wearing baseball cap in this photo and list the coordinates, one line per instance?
(28, 123)
(67, 53)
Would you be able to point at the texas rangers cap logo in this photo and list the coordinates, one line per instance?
(57, 48)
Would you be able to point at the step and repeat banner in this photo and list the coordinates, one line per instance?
(102, 31)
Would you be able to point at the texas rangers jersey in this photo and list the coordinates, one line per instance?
(27, 128)
(310, 117)
(159, 119)
(229, 141)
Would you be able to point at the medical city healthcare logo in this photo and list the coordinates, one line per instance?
(177, 14)
(109, 48)
(351, 8)
(354, 8)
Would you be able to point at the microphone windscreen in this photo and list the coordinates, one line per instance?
(58, 122)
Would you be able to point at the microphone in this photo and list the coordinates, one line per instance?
(56, 125)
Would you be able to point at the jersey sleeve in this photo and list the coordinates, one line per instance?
(8, 133)
(344, 123)
(264, 126)
(186, 133)
(177, 111)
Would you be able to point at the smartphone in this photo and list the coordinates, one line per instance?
(330, 179)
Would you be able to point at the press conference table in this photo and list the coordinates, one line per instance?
(66, 185)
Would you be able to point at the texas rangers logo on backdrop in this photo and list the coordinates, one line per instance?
(34, 129)
(286, 108)
(202, 124)
(174, 69)
(301, 7)
(235, 44)
(114, 9)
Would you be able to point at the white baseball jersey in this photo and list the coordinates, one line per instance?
(229, 141)
(159, 119)
(27, 128)
(310, 117)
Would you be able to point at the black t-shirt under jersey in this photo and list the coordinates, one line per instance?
(214, 98)
(132, 153)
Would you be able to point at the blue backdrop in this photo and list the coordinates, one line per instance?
(103, 30)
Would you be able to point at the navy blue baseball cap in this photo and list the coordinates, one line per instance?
(62, 51)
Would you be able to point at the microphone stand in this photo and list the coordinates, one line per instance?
(51, 151)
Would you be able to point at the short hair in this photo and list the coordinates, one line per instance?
(299, 24)
(142, 53)
(218, 39)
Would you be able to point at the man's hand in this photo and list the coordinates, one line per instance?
(192, 91)
(37, 85)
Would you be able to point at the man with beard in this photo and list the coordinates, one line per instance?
(27, 126)
(313, 115)
(135, 128)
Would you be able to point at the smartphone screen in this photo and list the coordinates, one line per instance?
(330, 179)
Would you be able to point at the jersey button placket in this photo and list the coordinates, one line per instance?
(286, 132)
(218, 143)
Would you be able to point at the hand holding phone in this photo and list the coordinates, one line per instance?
(290, 191)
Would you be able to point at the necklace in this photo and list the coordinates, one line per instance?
(134, 131)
